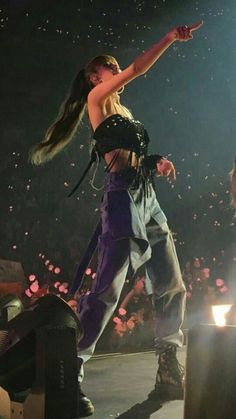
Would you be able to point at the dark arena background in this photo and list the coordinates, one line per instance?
(187, 102)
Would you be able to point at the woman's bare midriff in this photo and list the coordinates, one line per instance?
(122, 161)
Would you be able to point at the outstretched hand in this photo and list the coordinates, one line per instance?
(184, 33)
(166, 168)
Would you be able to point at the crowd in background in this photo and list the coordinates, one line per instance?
(131, 326)
(208, 281)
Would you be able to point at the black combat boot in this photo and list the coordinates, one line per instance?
(170, 375)
(85, 407)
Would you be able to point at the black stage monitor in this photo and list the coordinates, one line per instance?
(40, 357)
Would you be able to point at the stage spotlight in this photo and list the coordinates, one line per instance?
(219, 312)
(38, 367)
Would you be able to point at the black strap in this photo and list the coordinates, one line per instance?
(80, 271)
(112, 162)
(92, 160)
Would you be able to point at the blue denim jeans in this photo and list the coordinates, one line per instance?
(134, 232)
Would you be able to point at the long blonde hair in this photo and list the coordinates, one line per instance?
(60, 133)
(71, 112)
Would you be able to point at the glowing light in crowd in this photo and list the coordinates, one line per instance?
(122, 311)
(219, 282)
(28, 293)
(116, 320)
(34, 287)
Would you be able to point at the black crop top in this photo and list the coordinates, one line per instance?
(119, 132)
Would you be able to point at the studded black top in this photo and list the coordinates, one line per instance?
(119, 132)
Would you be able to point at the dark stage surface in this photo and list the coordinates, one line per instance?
(118, 385)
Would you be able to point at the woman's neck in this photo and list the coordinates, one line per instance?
(113, 106)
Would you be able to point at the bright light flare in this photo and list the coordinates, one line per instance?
(219, 312)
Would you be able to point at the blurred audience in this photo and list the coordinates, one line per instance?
(133, 322)
(203, 290)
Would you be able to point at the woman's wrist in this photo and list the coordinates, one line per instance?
(172, 35)
(150, 161)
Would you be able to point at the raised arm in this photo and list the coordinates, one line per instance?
(141, 64)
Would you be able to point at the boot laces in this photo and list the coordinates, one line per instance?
(170, 371)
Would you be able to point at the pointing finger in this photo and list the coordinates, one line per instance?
(196, 26)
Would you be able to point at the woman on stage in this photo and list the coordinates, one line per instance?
(134, 228)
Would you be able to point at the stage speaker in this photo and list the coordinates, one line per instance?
(10, 307)
(211, 373)
(38, 368)
(12, 278)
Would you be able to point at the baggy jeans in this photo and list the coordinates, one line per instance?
(134, 232)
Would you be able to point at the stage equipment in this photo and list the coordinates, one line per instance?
(211, 373)
(38, 366)
(220, 313)
(10, 307)
(11, 271)
(12, 278)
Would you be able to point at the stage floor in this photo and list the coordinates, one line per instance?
(118, 385)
